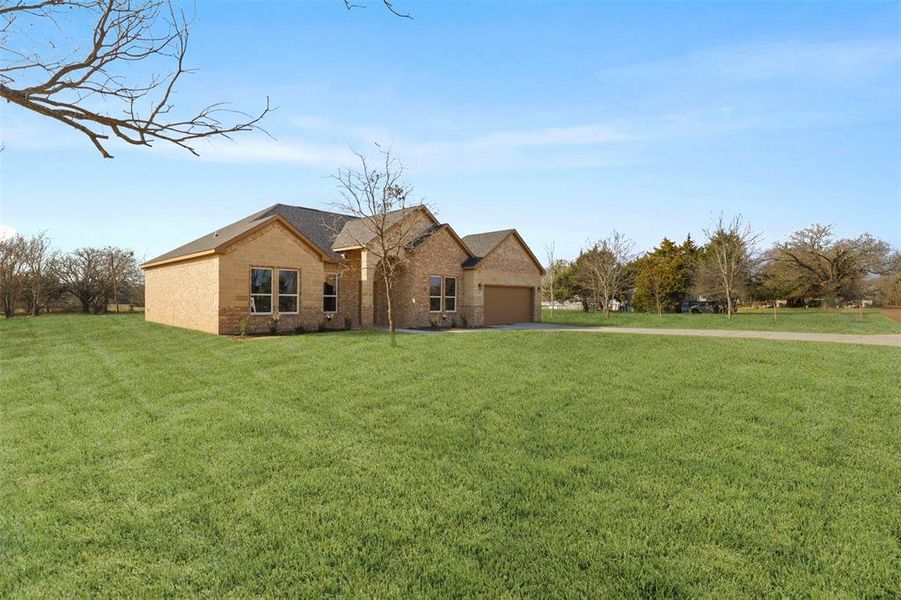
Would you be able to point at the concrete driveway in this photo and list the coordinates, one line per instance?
(839, 338)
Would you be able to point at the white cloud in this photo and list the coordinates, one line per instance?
(798, 60)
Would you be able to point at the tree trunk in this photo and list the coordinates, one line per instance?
(775, 304)
(390, 303)
(85, 305)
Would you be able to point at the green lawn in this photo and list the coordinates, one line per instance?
(139, 460)
(791, 319)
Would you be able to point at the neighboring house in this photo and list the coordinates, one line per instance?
(312, 269)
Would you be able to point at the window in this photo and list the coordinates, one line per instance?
(450, 294)
(288, 298)
(435, 293)
(261, 291)
(330, 293)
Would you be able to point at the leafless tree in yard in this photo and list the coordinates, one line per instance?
(603, 268)
(549, 281)
(84, 275)
(39, 261)
(106, 67)
(13, 253)
(728, 259)
(818, 264)
(377, 194)
(122, 268)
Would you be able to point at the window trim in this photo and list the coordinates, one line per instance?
(444, 295)
(335, 295)
(278, 294)
(440, 295)
(252, 294)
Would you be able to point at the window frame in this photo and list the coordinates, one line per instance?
(279, 294)
(335, 295)
(440, 295)
(252, 294)
(444, 295)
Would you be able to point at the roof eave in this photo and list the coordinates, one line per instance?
(174, 259)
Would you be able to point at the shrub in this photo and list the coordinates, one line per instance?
(273, 325)
(245, 325)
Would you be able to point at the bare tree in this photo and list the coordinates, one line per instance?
(727, 260)
(614, 254)
(84, 274)
(13, 251)
(121, 268)
(75, 61)
(602, 270)
(391, 220)
(549, 280)
(815, 263)
(39, 257)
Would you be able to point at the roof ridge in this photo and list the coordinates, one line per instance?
(508, 230)
(314, 209)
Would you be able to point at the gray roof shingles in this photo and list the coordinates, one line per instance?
(319, 226)
(328, 230)
(482, 244)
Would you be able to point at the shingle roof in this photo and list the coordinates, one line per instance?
(319, 226)
(482, 244)
(357, 232)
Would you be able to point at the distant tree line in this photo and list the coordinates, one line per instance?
(35, 277)
(812, 267)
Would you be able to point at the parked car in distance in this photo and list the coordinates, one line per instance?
(697, 306)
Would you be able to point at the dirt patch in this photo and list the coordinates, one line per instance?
(892, 313)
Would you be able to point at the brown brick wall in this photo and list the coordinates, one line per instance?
(439, 255)
(508, 264)
(184, 294)
(276, 247)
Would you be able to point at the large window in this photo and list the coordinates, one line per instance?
(261, 291)
(330, 293)
(288, 297)
(450, 294)
(435, 293)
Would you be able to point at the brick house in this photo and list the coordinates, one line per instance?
(314, 269)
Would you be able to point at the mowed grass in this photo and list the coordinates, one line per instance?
(788, 319)
(140, 460)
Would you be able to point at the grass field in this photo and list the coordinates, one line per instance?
(791, 319)
(139, 460)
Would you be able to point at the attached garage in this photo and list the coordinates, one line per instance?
(508, 304)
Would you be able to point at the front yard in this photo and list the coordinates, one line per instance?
(140, 460)
(788, 319)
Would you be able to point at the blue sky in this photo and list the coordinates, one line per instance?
(564, 120)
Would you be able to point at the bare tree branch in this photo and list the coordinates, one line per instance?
(83, 84)
(387, 3)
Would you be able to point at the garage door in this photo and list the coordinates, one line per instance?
(508, 304)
